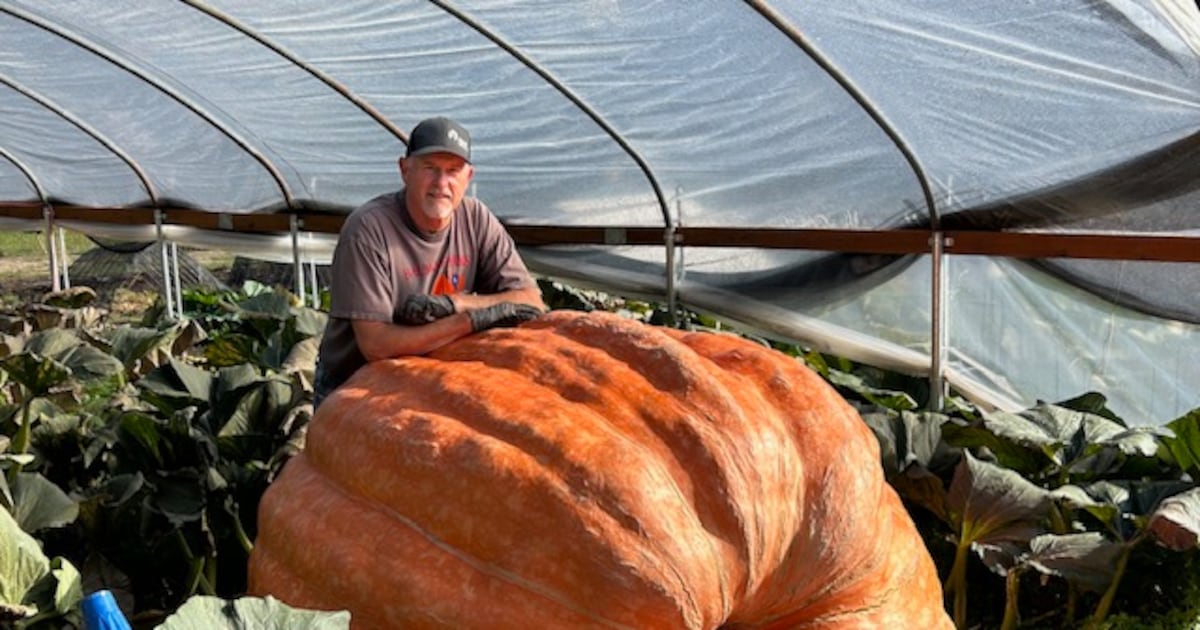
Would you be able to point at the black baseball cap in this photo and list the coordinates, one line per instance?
(439, 135)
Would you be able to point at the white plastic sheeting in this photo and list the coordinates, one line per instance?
(1049, 115)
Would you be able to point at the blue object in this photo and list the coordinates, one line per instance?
(100, 612)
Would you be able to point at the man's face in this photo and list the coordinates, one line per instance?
(434, 185)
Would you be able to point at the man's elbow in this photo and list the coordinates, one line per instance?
(370, 339)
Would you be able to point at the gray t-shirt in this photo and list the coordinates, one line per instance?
(382, 257)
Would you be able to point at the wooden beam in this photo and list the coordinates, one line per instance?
(21, 210)
(1147, 247)
(1059, 245)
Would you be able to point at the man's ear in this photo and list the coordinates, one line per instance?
(403, 164)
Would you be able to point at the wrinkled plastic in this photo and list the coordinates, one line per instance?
(1059, 115)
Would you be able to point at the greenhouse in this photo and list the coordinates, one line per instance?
(1001, 199)
(1004, 196)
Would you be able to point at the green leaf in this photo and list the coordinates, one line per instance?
(180, 383)
(987, 503)
(89, 363)
(213, 613)
(38, 503)
(132, 345)
(57, 594)
(140, 434)
(259, 410)
(302, 359)
(1184, 446)
(272, 305)
(310, 322)
(36, 373)
(909, 439)
(1123, 506)
(22, 564)
(1087, 559)
(886, 398)
(1175, 524)
(179, 497)
(1093, 403)
(52, 342)
(231, 349)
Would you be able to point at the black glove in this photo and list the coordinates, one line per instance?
(423, 309)
(502, 315)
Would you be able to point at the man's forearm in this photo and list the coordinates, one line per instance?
(531, 295)
(382, 340)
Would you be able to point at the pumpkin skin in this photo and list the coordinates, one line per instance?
(590, 471)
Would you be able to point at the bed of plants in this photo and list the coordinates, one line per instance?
(133, 456)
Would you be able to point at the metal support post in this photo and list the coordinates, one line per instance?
(166, 267)
(296, 264)
(937, 351)
(65, 267)
(48, 214)
(175, 283)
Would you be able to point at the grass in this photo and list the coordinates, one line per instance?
(33, 244)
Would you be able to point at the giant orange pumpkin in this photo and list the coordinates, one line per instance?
(589, 471)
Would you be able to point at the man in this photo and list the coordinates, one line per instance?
(416, 269)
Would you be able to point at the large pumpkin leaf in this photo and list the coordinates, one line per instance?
(267, 305)
(910, 439)
(886, 398)
(1125, 506)
(302, 360)
(310, 322)
(139, 348)
(57, 594)
(179, 497)
(37, 374)
(1175, 524)
(1094, 403)
(1010, 454)
(52, 342)
(22, 564)
(988, 503)
(911, 448)
(1184, 445)
(38, 503)
(213, 613)
(177, 385)
(259, 410)
(1087, 559)
(232, 349)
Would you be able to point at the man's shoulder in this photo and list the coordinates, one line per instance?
(374, 210)
(383, 204)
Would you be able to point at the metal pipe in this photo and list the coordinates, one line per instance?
(175, 274)
(936, 378)
(66, 259)
(133, 165)
(937, 349)
(575, 99)
(312, 271)
(298, 268)
(48, 214)
(191, 103)
(165, 267)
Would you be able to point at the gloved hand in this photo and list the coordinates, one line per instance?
(423, 309)
(502, 315)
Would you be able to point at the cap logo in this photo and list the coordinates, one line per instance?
(453, 135)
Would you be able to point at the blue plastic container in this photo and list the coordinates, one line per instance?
(100, 612)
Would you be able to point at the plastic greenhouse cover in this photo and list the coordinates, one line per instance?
(1051, 116)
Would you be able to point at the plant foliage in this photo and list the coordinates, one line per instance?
(139, 454)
